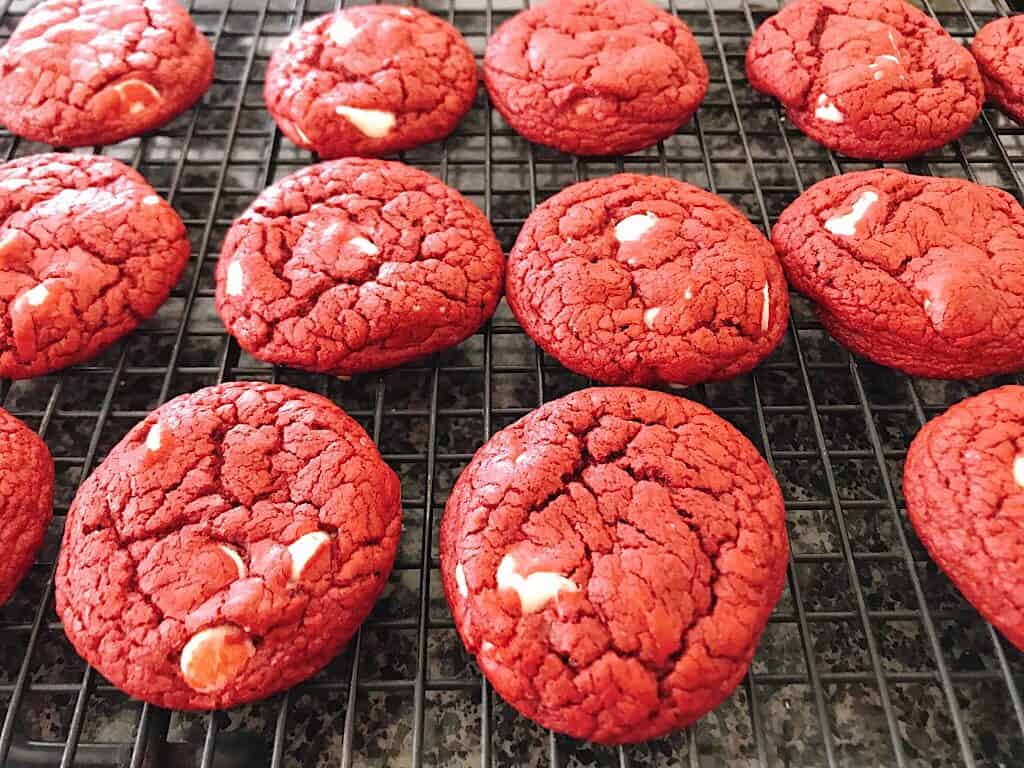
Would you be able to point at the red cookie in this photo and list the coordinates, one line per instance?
(611, 560)
(873, 79)
(78, 72)
(26, 499)
(595, 77)
(357, 265)
(999, 50)
(644, 280)
(228, 547)
(964, 486)
(87, 251)
(918, 273)
(370, 81)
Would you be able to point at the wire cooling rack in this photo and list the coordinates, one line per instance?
(871, 658)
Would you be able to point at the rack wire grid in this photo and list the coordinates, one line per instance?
(871, 657)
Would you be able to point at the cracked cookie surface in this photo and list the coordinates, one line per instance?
(918, 273)
(964, 486)
(80, 72)
(228, 547)
(873, 79)
(999, 50)
(370, 81)
(357, 265)
(88, 250)
(595, 77)
(635, 279)
(26, 499)
(611, 561)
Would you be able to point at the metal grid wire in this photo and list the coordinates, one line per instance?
(871, 658)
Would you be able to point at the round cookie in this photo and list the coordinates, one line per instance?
(87, 251)
(999, 50)
(79, 72)
(964, 486)
(646, 280)
(918, 273)
(357, 265)
(370, 81)
(26, 499)
(228, 547)
(611, 560)
(595, 77)
(873, 79)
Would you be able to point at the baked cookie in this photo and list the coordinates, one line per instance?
(999, 50)
(26, 499)
(357, 265)
(79, 72)
(228, 547)
(595, 77)
(646, 280)
(918, 273)
(964, 486)
(87, 251)
(873, 79)
(370, 81)
(611, 560)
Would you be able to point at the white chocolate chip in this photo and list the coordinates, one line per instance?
(363, 245)
(374, 123)
(342, 31)
(487, 646)
(36, 296)
(650, 315)
(892, 42)
(1018, 470)
(133, 102)
(677, 387)
(236, 279)
(405, 12)
(8, 239)
(846, 224)
(879, 65)
(304, 549)
(154, 438)
(215, 656)
(827, 111)
(302, 135)
(534, 591)
(633, 227)
(236, 559)
(766, 308)
(688, 293)
(460, 581)
(151, 200)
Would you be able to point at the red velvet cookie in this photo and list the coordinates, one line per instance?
(918, 273)
(87, 251)
(357, 265)
(26, 499)
(999, 50)
(370, 81)
(79, 72)
(595, 77)
(964, 486)
(873, 79)
(644, 280)
(228, 547)
(611, 560)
